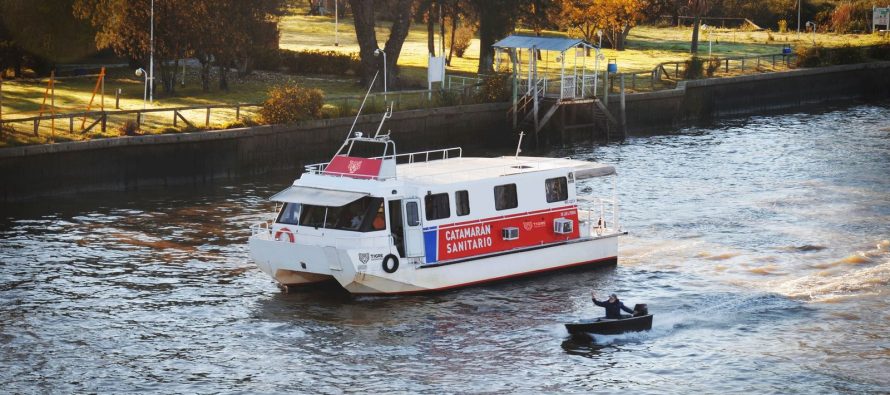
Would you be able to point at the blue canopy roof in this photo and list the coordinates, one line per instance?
(542, 43)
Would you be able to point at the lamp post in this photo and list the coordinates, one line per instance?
(813, 25)
(140, 72)
(600, 34)
(151, 58)
(377, 52)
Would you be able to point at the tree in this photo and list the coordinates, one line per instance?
(496, 19)
(614, 17)
(123, 26)
(365, 20)
(39, 33)
(697, 8)
(216, 32)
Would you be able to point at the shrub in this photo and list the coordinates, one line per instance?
(308, 62)
(809, 56)
(881, 52)
(462, 37)
(846, 54)
(129, 128)
(240, 123)
(820, 56)
(783, 26)
(694, 68)
(447, 98)
(841, 17)
(495, 88)
(290, 103)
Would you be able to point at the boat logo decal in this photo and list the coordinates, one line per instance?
(364, 257)
(354, 166)
(527, 225)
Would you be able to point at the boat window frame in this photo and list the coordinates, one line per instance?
(559, 193)
(462, 202)
(434, 206)
(508, 190)
(412, 214)
(284, 208)
(335, 217)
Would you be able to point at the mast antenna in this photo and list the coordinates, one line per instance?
(519, 145)
(363, 104)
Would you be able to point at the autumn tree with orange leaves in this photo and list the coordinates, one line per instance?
(614, 17)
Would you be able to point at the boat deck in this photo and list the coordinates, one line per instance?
(463, 169)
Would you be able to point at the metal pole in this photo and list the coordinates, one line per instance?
(102, 102)
(798, 19)
(336, 24)
(151, 59)
(623, 112)
(145, 92)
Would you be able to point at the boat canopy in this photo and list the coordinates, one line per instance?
(594, 170)
(317, 196)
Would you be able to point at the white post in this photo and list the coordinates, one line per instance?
(151, 59)
(562, 74)
(140, 72)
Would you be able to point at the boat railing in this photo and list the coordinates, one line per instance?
(262, 228)
(428, 156)
(411, 157)
(600, 214)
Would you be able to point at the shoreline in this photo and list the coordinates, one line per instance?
(130, 163)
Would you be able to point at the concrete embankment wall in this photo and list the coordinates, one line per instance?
(129, 163)
(702, 101)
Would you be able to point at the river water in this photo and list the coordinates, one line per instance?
(760, 244)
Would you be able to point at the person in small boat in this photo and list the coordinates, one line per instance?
(613, 306)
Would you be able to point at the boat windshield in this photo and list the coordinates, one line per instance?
(363, 215)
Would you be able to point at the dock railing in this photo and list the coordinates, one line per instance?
(83, 122)
(727, 65)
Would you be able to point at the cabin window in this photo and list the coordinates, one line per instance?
(557, 189)
(412, 214)
(290, 214)
(437, 206)
(505, 197)
(313, 216)
(462, 202)
(363, 215)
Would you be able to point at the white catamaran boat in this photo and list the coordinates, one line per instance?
(434, 220)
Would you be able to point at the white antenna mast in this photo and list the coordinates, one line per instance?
(363, 104)
(519, 146)
(386, 115)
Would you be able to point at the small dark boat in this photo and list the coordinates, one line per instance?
(640, 321)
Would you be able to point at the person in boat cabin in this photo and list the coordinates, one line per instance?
(613, 306)
(379, 220)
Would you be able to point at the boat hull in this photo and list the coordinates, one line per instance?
(369, 270)
(605, 326)
(419, 278)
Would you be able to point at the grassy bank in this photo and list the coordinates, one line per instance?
(647, 47)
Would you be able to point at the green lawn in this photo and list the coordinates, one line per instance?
(647, 47)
